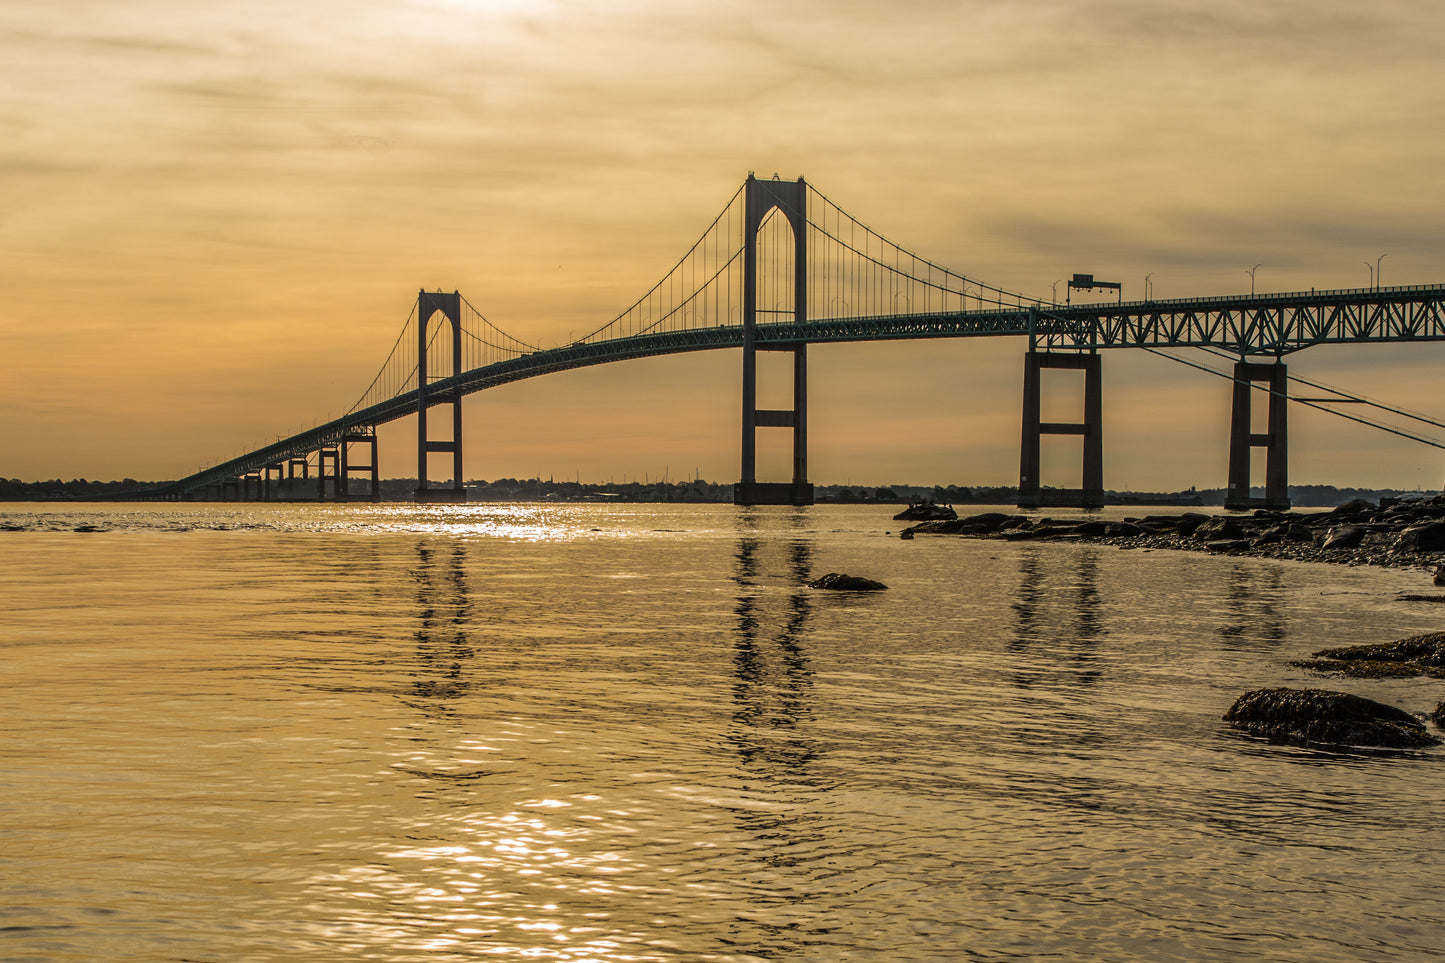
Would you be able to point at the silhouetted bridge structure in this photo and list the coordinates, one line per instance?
(783, 267)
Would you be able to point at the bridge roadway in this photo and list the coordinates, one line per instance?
(1252, 326)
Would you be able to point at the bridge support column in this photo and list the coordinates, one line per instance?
(322, 475)
(790, 198)
(273, 467)
(1031, 492)
(347, 469)
(1243, 440)
(291, 465)
(450, 305)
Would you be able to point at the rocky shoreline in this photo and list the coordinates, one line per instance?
(1401, 534)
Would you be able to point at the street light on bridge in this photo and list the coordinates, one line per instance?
(1148, 287)
(1377, 270)
(1250, 272)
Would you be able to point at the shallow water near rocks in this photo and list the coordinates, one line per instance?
(631, 732)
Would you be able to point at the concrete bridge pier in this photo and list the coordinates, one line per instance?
(790, 199)
(291, 465)
(1243, 440)
(348, 468)
(1031, 492)
(276, 467)
(324, 457)
(450, 306)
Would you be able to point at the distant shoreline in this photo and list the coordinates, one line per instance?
(511, 490)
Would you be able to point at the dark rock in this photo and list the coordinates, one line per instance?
(1299, 532)
(1186, 524)
(906, 534)
(1227, 545)
(1425, 650)
(1420, 598)
(925, 512)
(1356, 506)
(988, 521)
(1429, 537)
(1324, 719)
(1440, 575)
(1417, 655)
(932, 528)
(1217, 528)
(1124, 530)
(984, 524)
(1438, 716)
(1344, 536)
(846, 583)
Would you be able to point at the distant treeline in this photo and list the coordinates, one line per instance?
(13, 489)
(537, 489)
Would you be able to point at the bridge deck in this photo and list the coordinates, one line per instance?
(1268, 325)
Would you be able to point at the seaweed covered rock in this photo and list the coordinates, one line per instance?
(1319, 718)
(1416, 655)
(846, 583)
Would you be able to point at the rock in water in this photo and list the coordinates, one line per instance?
(926, 512)
(1319, 718)
(846, 583)
(1422, 652)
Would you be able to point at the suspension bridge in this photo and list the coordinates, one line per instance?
(783, 267)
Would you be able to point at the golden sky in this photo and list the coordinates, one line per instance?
(214, 218)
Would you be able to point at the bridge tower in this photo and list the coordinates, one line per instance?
(790, 198)
(450, 306)
(1243, 440)
(1031, 493)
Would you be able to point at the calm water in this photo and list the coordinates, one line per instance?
(630, 733)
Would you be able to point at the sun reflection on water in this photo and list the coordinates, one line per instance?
(529, 882)
(522, 523)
